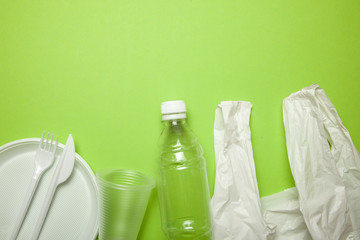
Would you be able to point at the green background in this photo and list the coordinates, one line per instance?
(100, 69)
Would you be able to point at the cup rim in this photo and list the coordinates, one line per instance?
(149, 179)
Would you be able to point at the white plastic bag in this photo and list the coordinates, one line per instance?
(324, 163)
(235, 206)
(345, 154)
(325, 166)
(282, 211)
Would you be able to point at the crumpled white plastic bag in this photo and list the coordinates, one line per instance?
(235, 206)
(282, 211)
(324, 163)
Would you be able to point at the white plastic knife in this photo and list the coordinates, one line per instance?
(62, 172)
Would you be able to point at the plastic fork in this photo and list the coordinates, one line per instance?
(43, 160)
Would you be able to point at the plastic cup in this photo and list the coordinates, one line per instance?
(123, 198)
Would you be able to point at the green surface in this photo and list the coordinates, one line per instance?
(100, 69)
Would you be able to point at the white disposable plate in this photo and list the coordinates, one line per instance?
(73, 213)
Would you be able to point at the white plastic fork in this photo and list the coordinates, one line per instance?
(43, 160)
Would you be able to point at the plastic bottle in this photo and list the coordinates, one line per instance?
(183, 185)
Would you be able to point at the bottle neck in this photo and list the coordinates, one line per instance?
(174, 122)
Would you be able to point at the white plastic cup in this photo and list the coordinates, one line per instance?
(123, 198)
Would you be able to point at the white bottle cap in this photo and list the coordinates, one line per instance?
(173, 110)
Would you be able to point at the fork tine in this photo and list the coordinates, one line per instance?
(55, 146)
(51, 142)
(42, 140)
(47, 141)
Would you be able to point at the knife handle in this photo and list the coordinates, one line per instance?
(44, 211)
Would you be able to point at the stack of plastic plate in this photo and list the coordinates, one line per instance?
(73, 213)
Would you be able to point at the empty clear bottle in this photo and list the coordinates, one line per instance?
(183, 186)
